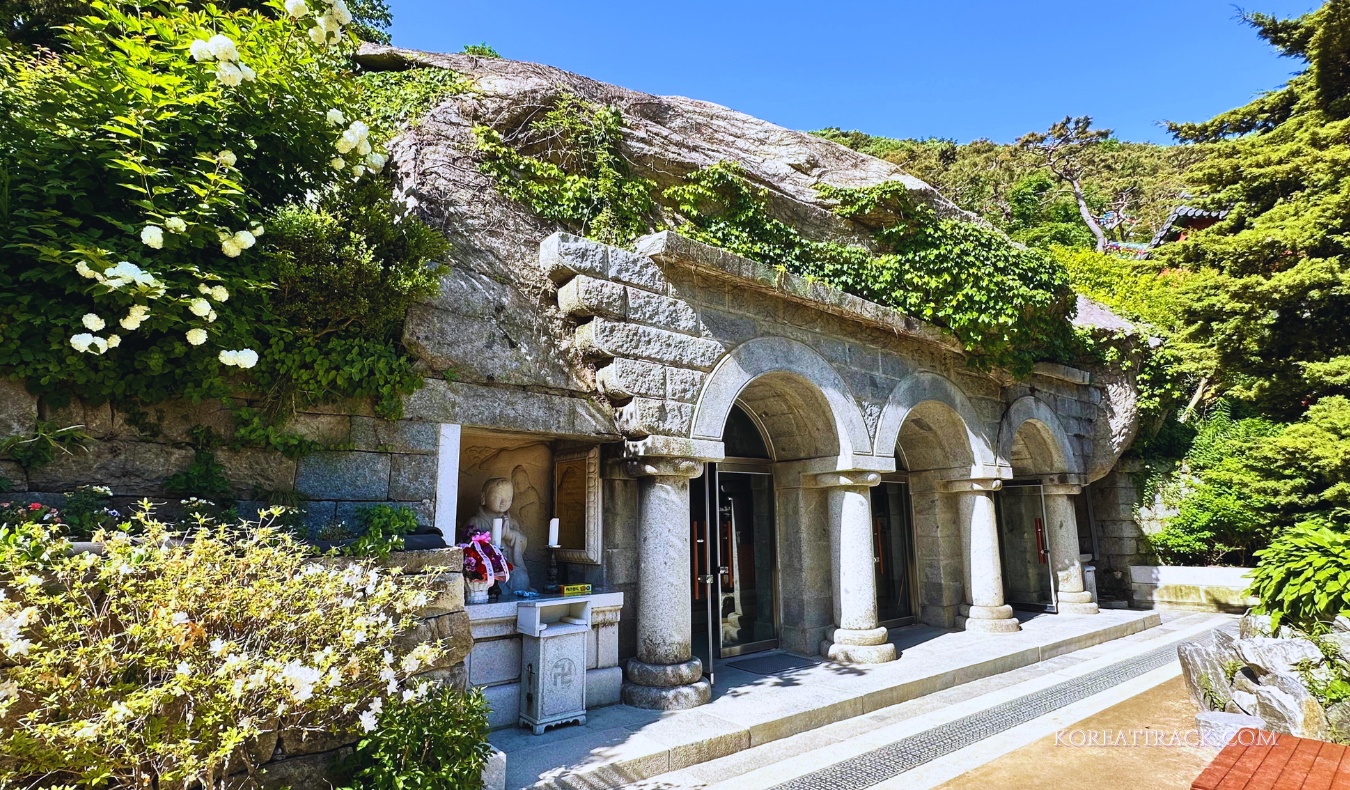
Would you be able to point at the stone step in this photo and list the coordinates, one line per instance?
(888, 745)
(621, 745)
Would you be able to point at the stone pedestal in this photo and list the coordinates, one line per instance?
(1062, 520)
(664, 675)
(984, 609)
(857, 638)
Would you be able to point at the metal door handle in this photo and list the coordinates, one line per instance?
(706, 578)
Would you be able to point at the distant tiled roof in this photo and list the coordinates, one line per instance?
(1182, 216)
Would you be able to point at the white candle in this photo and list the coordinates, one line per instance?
(553, 532)
(497, 532)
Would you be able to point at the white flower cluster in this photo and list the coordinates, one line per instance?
(11, 630)
(299, 680)
(135, 317)
(121, 275)
(116, 278)
(355, 142)
(232, 244)
(85, 342)
(152, 236)
(222, 51)
(243, 358)
(330, 17)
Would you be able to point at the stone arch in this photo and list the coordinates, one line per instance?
(944, 409)
(796, 394)
(1032, 441)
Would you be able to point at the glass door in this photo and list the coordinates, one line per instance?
(746, 603)
(702, 566)
(893, 544)
(1024, 544)
(733, 561)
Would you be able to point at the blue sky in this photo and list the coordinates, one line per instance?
(962, 69)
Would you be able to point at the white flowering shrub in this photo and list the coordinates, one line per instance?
(141, 159)
(162, 661)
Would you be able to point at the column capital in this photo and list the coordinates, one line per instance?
(664, 466)
(655, 447)
(846, 478)
(1065, 483)
(978, 485)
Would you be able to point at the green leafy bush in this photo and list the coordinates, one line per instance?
(1224, 505)
(351, 261)
(1303, 577)
(380, 530)
(434, 741)
(483, 50)
(203, 478)
(162, 661)
(181, 222)
(86, 511)
(1244, 480)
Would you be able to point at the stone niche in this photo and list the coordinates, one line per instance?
(527, 461)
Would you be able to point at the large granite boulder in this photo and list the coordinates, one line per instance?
(495, 321)
(1269, 655)
(497, 289)
(1202, 667)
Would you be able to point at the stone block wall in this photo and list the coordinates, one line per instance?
(1120, 538)
(371, 461)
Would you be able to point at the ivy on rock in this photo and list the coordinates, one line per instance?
(1008, 306)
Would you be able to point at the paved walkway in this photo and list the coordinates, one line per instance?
(621, 745)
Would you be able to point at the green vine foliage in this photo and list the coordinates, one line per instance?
(389, 100)
(1008, 306)
(567, 167)
(42, 446)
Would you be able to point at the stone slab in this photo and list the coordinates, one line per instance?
(507, 409)
(18, 409)
(343, 476)
(494, 661)
(605, 338)
(503, 705)
(401, 436)
(603, 686)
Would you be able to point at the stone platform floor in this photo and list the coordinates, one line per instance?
(621, 745)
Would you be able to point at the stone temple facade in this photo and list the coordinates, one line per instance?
(845, 395)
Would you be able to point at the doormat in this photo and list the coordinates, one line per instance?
(773, 664)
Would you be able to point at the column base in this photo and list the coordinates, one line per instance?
(665, 686)
(858, 654)
(859, 646)
(988, 619)
(1077, 603)
(661, 675)
(683, 697)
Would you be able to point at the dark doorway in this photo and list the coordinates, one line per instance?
(1024, 546)
(734, 557)
(893, 545)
